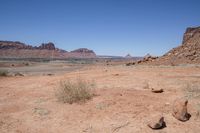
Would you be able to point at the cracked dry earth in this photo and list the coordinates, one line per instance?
(124, 101)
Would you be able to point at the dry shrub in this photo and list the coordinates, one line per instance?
(146, 85)
(73, 92)
(192, 90)
(3, 73)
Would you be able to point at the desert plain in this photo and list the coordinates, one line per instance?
(123, 101)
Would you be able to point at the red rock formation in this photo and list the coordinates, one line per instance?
(187, 53)
(9, 49)
(19, 45)
(84, 52)
(49, 46)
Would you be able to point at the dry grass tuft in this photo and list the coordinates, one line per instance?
(75, 92)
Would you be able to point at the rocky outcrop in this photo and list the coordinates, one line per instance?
(187, 53)
(11, 49)
(147, 59)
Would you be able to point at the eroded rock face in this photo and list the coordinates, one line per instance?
(180, 109)
(190, 33)
(157, 122)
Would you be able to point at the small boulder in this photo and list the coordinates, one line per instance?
(157, 122)
(180, 110)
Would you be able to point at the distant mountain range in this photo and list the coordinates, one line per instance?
(15, 49)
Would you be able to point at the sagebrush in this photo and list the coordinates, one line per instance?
(73, 92)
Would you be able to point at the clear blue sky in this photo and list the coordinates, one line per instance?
(109, 27)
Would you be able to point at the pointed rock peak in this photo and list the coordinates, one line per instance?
(128, 56)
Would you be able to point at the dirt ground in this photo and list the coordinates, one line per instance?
(124, 101)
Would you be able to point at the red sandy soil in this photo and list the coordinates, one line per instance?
(123, 104)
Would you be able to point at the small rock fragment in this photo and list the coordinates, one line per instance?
(50, 74)
(157, 90)
(157, 122)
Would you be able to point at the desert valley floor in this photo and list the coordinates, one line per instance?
(123, 103)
